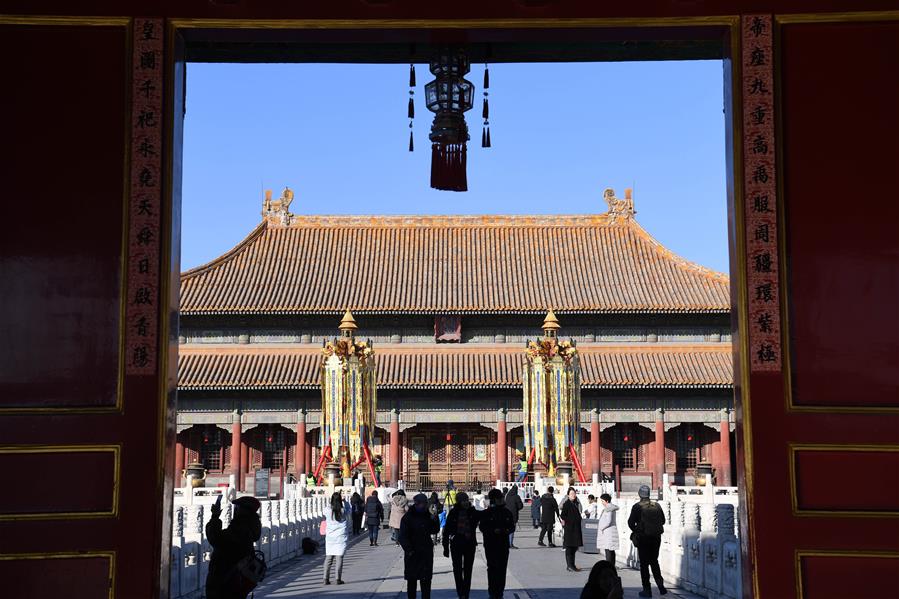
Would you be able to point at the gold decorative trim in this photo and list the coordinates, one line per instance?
(61, 21)
(795, 448)
(801, 553)
(560, 23)
(110, 555)
(836, 17)
(779, 21)
(113, 512)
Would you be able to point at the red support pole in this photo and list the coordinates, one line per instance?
(394, 447)
(371, 467)
(179, 462)
(595, 446)
(299, 459)
(577, 463)
(502, 449)
(235, 449)
(658, 466)
(326, 452)
(724, 452)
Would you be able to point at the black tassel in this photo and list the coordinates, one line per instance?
(488, 137)
(484, 138)
(486, 77)
(411, 143)
(486, 112)
(411, 75)
(411, 109)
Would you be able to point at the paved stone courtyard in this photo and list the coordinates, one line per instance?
(377, 573)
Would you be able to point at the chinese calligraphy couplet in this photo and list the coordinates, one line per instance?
(145, 198)
(760, 180)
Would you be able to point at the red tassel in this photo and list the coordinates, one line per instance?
(411, 109)
(411, 143)
(411, 75)
(485, 113)
(486, 77)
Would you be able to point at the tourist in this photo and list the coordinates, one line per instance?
(449, 498)
(535, 509)
(496, 525)
(476, 485)
(514, 504)
(374, 515)
(398, 506)
(337, 528)
(603, 583)
(647, 523)
(310, 482)
(549, 510)
(572, 535)
(459, 540)
(591, 509)
(434, 507)
(358, 507)
(231, 545)
(607, 528)
(416, 529)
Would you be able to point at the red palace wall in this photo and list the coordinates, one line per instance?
(81, 393)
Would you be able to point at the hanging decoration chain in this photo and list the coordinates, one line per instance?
(485, 112)
(411, 111)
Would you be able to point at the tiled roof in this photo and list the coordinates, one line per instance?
(451, 264)
(445, 366)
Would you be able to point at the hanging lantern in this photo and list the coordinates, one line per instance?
(449, 96)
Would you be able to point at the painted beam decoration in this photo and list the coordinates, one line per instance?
(349, 396)
(760, 180)
(551, 380)
(145, 198)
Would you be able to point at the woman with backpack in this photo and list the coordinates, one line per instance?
(337, 521)
(358, 507)
(647, 523)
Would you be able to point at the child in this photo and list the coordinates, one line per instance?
(442, 517)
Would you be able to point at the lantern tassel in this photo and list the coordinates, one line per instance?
(484, 137)
(448, 166)
(486, 77)
(411, 109)
(485, 113)
(411, 143)
(488, 137)
(411, 75)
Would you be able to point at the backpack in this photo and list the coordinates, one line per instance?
(450, 499)
(247, 573)
(309, 546)
(652, 519)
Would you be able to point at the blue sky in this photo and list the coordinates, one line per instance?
(338, 134)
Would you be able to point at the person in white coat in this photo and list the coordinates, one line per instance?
(607, 527)
(338, 520)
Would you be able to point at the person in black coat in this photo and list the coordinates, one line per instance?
(357, 508)
(416, 529)
(231, 545)
(572, 535)
(459, 539)
(374, 514)
(496, 524)
(514, 504)
(549, 510)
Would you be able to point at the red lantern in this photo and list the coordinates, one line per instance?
(205, 438)
(449, 437)
(269, 439)
(625, 437)
(689, 437)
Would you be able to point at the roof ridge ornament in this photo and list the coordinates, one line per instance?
(550, 324)
(347, 324)
(619, 209)
(277, 212)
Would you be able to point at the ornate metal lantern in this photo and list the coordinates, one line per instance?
(551, 379)
(349, 400)
(449, 96)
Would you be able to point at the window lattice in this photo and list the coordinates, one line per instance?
(211, 449)
(273, 449)
(623, 448)
(688, 445)
(459, 453)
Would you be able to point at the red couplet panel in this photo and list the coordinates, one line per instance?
(81, 419)
(825, 426)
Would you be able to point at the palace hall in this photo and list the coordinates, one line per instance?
(449, 304)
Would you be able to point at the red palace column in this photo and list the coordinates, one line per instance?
(394, 446)
(595, 446)
(502, 447)
(179, 463)
(723, 468)
(658, 466)
(236, 468)
(299, 458)
(244, 463)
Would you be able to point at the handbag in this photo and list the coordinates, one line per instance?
(248, 573)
